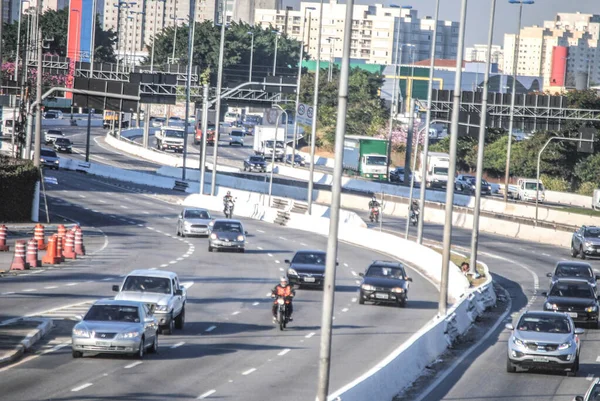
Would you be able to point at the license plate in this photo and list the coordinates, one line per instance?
(103, 343)
(540, 359)
(309, 279)
(228, 244)
(382, 296)
(572, 314)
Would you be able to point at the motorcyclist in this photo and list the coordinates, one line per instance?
(414, 209)
(226, 199)
(283, 289)
(372, 205)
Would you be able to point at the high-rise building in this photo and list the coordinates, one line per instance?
(479, 53)
(563, 51)
(375, 31)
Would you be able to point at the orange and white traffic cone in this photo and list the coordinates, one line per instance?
(19, 259)
(3, 246)
(69, 244)
(60, 243)
(32, 253)
(50, 257)
(79, 247)
(39, 236)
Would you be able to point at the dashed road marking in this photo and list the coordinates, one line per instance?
(8, 293)
(345, 310)
(303, 244)
(590, 377)
(79, 388)
(107, 279)
(51, 287)
(309, 335)
(124, 207)
(353, 299)
(172, 262)
(164, 265)
(354, 273)
(256, 303)
(211, 328)
(102, 201)
(207, 394)
(598, 359)
(145, 212)
(285, 351)
(81, 196)
(29, 290)
(345, 264)
(270, 254)
(259, 248)
(249, 371)
(277, 261)
(282, 238)
(152, 268)
(134, 364)
(71, 284)
(179, 259)
(177, 345)
(237, 312)
(260, 231)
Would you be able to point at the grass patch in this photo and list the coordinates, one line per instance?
(578, 210)
(458, 260)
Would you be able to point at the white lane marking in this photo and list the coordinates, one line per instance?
(309, 335)
(71, 284)
(284, 239)
(249, 371)
(598, 359)
(345, 310)
(285, 351)
(81, 196)
(277, 261)
(122, 219)
(102, 201)
(134, 364)
(172, 262)
(259, 248)
(180, 259)
(303, 244)
(211, 328)
(260, 231)
(281, 269)
(177, 345)
(107, 279)
(256, 303)
(545, 254)
(51, 287)
(146, 212)
(8, 293)
(353, 299)
(270, 254)
(166, 218)
(357, 281)
(354, 273)
(207, 394)
(79, 388)
(140, 225)
(164, 265)
(345, 264)
(29, 290)
(152, 268)
(124, 207)
(127, 199)
(151, 228)
(237, 312)
(186, 255)
(96, 211)
(268, 294)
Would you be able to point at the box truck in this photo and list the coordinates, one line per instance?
(437, 170)
(365, 156)
(263, 142)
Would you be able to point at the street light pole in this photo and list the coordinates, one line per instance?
(251, 55)
(427, 125)
(204, 130)
(275, 147)
(481, 143)
(218, 105)
(275, 56)
(443, 302)
(336, 191)
(514, 92)
(188, 84)
(393, 102)
(311, 170)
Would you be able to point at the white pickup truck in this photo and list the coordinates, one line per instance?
(526, 190)
(169, 138)
(161, 291)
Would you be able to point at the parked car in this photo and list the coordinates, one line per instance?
(194, 221)
(575, 297)
(63, 145)
(586, 242)
(593, 392)
(116, 327)
(51, 135)
(298, 160)
(162, 291)
(227, 234)
(544, 340)
(236, 137)
(397, 174)
(385, 282)
(567, 269)
(255, 163)
(49, 158)
(307, 268)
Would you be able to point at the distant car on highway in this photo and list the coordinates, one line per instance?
(63, 145)
(157, 121)
(397, 174)
(576, 298)
(116, 327)
(51, 135)
(193, 221)
(545, 340)
(298, 160)
(49, 158)
(385, 282)
(236, 137)
(227, 234)
(255, 163)
(586, 242)
(467, 183)
(307, 268)
(593, 392)
(567, 269)
(161, 291)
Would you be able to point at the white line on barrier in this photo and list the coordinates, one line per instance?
(207, 394)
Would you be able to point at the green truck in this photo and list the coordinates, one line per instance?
(365, 156)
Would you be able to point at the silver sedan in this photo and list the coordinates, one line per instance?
(194, 222)
(116, 327)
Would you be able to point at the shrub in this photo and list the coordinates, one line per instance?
(587, 188)
(555, 183)
(17, 185)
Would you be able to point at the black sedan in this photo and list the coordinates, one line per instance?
(255, 163)
(575, 297)
(397, 174)
(307, 268)
(567, 269)
(298, 160)
(385, 282)
(63, 145)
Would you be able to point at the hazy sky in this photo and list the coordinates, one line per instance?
(478, 13)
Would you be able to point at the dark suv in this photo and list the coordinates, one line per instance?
(255, 163)
(586, 242)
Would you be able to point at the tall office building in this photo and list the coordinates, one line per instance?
(563, 51)
(375, 31)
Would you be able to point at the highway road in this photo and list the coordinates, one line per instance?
(229, 348)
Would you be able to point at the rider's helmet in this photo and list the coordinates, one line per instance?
(374, 199)
(228, 193)
(283, 281)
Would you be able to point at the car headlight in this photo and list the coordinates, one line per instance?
(588, 244)
(398, 290)
(367, 287)
(56, 161)
(42, 160)
(213, 236)
(548, 305)
(240, 237)
(292, 272)
(162, 308)
(592, 308)
(82, 333)
(187, 223)
(565, 345)
(129, 334)
(518, 342)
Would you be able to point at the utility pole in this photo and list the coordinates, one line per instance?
(443, 303)
(188, 83)
(409, 138)
(481, 144)
(204, 132)
(38, 97)
(393, 103)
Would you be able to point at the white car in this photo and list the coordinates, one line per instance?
(236, 137)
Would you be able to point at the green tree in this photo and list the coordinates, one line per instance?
(587, 169)
(466, 151)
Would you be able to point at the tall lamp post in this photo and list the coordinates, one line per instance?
(514, 92)
(175, 27)
(275, 147)
(251, 55)
(275, 56)
(298, 83)
(410, 131)
(146, 137)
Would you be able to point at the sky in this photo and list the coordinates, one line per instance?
(478, 13)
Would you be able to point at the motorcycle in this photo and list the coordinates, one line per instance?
(414, 217)
(374, 216)
(282, 315)
(228, 209)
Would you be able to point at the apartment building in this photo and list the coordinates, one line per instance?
(375, 31)
(565, 51)
(479, 53)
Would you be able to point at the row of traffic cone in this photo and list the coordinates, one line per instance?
(66, 244)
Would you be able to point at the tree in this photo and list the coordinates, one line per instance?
(587, 169)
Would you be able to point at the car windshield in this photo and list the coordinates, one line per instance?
(54, 132)
(376, 160)
(385, 271)
(595, 393)
(113, 313)
(48, 153)
(592, 232)
(468, 178)
(544, 324)
(158, 285)
(307, 258)
(196, 214)
(171, 133)
(532, 187)
(237, 133)
(573, 271)
(63, 141)
(228, 227)
(440, 170)
(399, 170)
(256, 159)
(572, 290)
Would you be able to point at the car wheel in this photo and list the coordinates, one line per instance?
(141, 350)
(402, 303)
(573, 251)
(154, 348)
(76, 354)
(182, 235)
(180, 320)
(168, 330)
(581, 253)
(361, 300)
(210, 248)
(243, 250)
(510, 368)
(574, 368)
